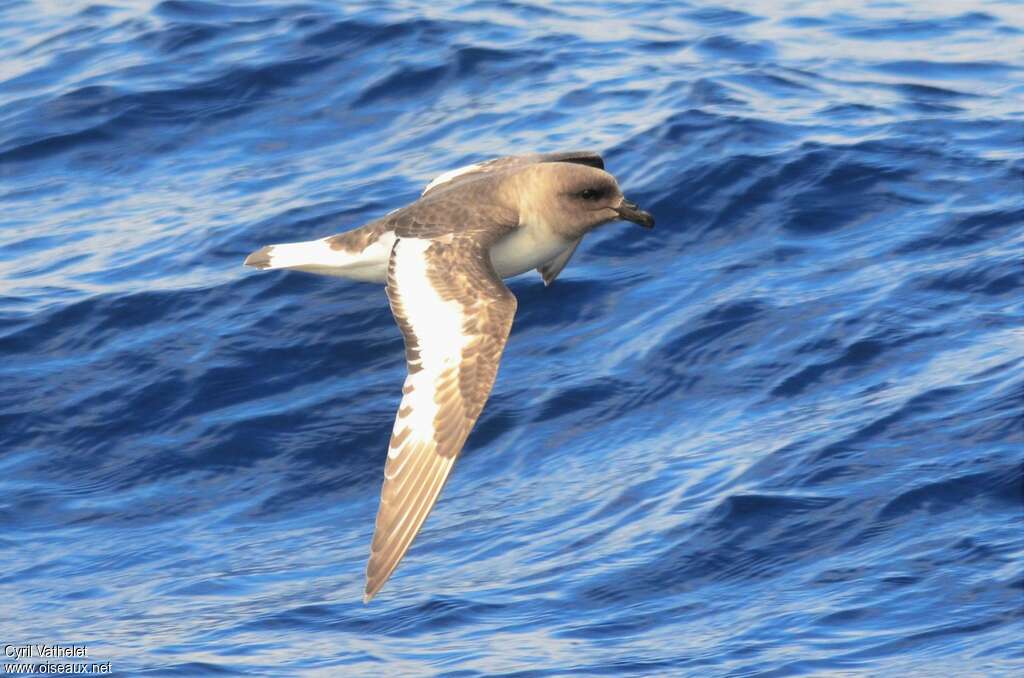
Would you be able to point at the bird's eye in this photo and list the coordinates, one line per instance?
(590, 194)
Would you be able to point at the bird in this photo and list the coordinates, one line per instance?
(442, 260)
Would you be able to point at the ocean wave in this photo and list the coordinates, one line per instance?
(782, 426)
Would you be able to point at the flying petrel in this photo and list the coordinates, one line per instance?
(442, 260)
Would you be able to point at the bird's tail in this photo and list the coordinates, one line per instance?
(319, 256)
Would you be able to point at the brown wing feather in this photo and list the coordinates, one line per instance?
(449, 378)
(449, 179)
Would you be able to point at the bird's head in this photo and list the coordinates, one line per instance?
(573, 199)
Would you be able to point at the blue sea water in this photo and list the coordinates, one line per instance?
(779, 435)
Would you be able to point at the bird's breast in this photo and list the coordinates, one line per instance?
(524, 249)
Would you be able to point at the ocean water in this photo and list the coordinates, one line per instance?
(779, 435)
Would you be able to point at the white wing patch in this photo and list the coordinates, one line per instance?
(438, 326)
(452, 174)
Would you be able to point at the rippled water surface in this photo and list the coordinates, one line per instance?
(779, 435)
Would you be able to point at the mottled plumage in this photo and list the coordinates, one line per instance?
(442, 260)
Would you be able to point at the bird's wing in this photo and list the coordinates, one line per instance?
(549, 270)
(455, 314)
(456, 176)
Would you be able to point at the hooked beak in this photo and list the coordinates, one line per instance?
(630, 211)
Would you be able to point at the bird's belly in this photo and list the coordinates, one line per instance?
(523, 250)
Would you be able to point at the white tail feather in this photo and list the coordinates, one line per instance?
(317, 256)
